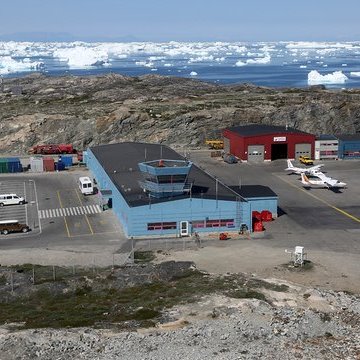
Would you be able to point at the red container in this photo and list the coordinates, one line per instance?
(258, 226)
(223, 236)
(256, 215)
(49, 164)
(266, 215)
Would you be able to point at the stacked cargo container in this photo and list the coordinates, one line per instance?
(66, 160)
(10, 165)
(36, 164)
(49, 164)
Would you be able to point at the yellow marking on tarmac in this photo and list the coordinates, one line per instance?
(98, 233)
(322, 200)
(87, 219)
(61, 205)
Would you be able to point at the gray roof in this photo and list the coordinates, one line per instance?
(254, 191)
(256, 130)
(120, 161)
(326, 137)
(349, 137)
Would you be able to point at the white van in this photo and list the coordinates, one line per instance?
(86, 185)
(11, 199)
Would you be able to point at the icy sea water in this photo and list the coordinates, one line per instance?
(282, 64)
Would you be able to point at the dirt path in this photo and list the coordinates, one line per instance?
(337, 271)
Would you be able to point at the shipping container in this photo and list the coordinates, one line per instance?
(14, 165)
(49, 164)
(3, 166)
(36, 164)
(66, 160)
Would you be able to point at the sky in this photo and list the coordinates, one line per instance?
(185, 20)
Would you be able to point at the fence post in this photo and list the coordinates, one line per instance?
(54, 273)
(33, 276)
(12, 281)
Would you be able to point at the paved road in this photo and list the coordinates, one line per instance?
(316, 218)
(58, 214)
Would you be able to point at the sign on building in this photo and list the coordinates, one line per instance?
(279, 138)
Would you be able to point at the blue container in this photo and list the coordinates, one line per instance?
(14, 165)
(60, 166)
(66, 160)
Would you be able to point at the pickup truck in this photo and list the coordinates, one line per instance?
(306, 160)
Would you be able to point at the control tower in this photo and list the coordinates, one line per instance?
(165, 178)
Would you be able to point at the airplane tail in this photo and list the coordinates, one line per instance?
(289, 164)
(304, 179)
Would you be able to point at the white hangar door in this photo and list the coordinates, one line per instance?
(302, 149)
(226, 145)
(256, 153)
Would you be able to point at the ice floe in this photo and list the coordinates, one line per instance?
(337, 77)
(147, 56)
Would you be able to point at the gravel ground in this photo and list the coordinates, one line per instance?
(301, 323)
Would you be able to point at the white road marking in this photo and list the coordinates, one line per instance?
(71, 211)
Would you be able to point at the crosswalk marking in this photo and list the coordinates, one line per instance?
(72, 211)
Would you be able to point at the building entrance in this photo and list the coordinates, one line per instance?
(279, 151)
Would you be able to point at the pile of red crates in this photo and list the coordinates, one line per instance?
(260, 217)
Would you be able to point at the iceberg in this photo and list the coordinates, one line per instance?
(240, 63)
(337, 77)
(193, 73)
(355, 73)
(9, 65)
(82, 56)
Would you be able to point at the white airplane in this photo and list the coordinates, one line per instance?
(301, 170)
(323, 181)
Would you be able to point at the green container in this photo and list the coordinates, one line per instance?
(4, 168)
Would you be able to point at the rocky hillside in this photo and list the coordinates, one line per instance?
(101, 109)
(173, 312)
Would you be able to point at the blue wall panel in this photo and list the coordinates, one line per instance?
(349, 149)
(188, 210)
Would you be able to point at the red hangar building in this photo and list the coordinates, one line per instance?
(257, 143)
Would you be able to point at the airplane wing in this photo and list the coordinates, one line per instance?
(330, 181)
(314, 168)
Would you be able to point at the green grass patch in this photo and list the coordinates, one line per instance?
(258, 283)
(104, 304)
(144, 256)
(246, 294)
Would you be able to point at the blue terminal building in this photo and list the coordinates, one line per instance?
(155, 192)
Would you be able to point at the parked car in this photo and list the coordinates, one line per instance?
(86, 185)
(230, 159)
(306, 160)
(11, 199)
(8, 226)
